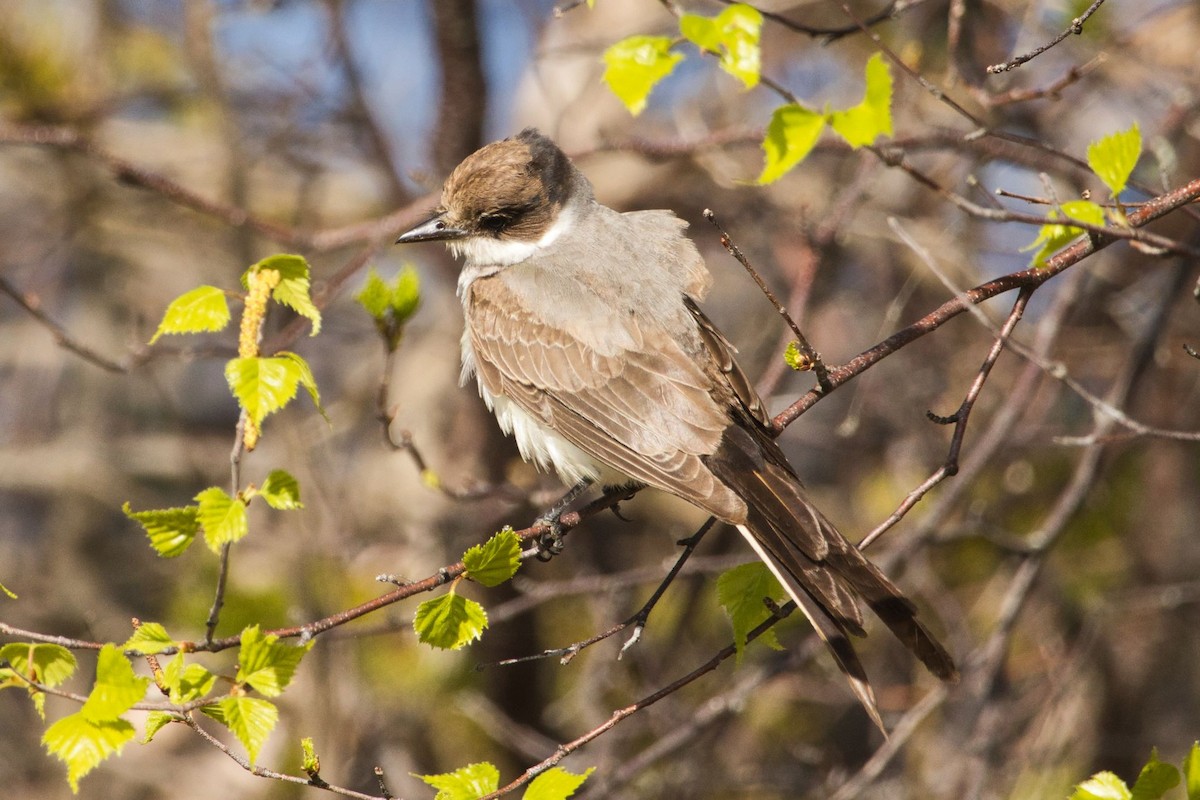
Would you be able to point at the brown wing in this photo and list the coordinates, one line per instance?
(647, 411)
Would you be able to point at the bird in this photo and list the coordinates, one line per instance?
(584, 333)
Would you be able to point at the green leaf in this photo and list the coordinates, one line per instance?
(310, 762)
(733, 35)
(1155, 779)
(186, 682)
(171, 530)
(496, 560)
(1191, 772)
(795, 359)
(281, 491)
(1054, 236)
(555, 784)
(266, 663)
(82, 744)
(394, 302)
(306, 379)
(634, 65)
(251, 720)
(791, 135)
(150, 638)
(741, 591)
(1113, 157)
(117, 688)
(449, 622)
(466, 783)
(45, 664)
(262, 386)
(156, 721)
(202, 309)
(8, 592)
(293, 290)
(222, 517)
(1102, 786)
(864, 123)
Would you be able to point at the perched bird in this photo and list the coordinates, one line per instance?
(584, 334)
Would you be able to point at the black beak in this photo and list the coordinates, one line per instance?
(432, 230)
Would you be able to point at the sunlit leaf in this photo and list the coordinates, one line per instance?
(634, 65)
(555, 784)
(449, 622)
(251, 719)
(266, 663)
(156, 721)
(186, 682)
(1054, 236)
(222, 517)
(1113, 157)
(262, 386)
(1102, 786)
(44, 664)
(116, 689)
(202, 309)
(466, 783)
(496, 560)
(791, 135)
(149, 638)
(171, 530)
(82, 744)
(733, 35)
(1191, 772)
(294, 289)
(864, 123)
(281, 491)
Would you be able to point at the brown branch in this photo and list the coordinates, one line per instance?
(1032, 278)
(1075, 29)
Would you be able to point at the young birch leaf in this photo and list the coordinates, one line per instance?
(11, 595)
(44, 664)
(82, 744)
(872, 118)
(405, 294)
(117, 688)
(186, 682)
(171, 530)
(1102, 786)
(262, 386)
(733, 35)
(496, 560)
(222, 517)
(267, 664)
(375, 297)
(741, 591)
(1054, 236)
(305, 378)
(156, 721)
(1155, 779)
(466, 783)
(1191, 772)
(149, 639)
(449, 622)
(791, 135)
(202, 309)
(281, 491)
(1113, 157)
(251, 720)
(294, 288)
(555, 784)
(634, 65)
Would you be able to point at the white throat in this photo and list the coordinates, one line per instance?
(483, 255)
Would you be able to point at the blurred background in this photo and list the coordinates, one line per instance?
(1060, 563)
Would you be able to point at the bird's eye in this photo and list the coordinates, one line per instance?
(495, 222)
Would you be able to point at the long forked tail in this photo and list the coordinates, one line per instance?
(822, 571)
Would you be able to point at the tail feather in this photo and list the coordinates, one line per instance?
(820, 569)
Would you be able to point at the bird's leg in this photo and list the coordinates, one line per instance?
(550, 543)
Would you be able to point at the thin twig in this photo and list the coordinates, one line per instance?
(1075, 29)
